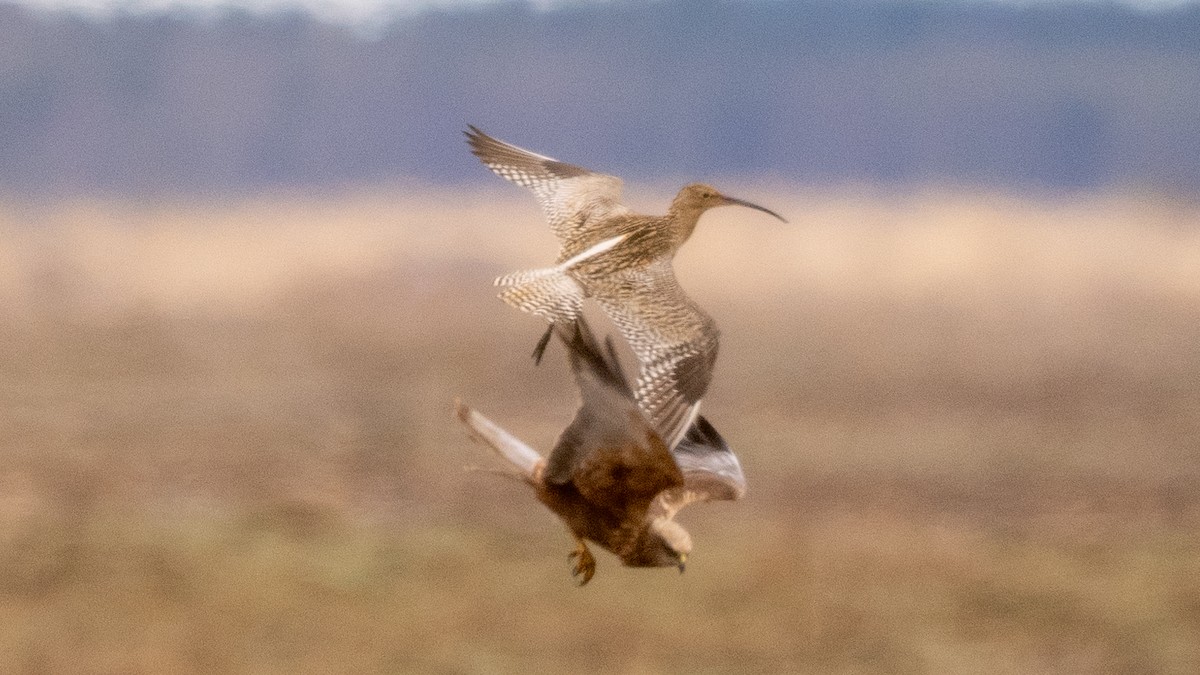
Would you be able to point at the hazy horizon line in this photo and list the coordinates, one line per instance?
(359, 12)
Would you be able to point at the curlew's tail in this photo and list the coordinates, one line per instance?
(549, 293)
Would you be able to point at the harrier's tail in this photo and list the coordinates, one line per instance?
(525, 461)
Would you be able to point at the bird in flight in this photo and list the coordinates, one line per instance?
(611, 477)
(623, 260)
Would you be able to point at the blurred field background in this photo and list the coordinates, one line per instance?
(969, 421)
(246, 266)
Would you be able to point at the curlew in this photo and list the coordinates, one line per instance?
(610, 477)
(622, 260)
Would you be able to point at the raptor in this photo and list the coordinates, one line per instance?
(611, 477)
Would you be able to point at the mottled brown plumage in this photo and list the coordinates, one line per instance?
(610, 476)
(623, 260)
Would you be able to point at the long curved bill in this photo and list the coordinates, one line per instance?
(756, 207)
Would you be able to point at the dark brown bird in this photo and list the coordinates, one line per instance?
(623, 260)
(610, 476)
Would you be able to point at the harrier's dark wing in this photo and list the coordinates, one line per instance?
(675, 341)
(710, 470)
(610, 452)
(571, 196)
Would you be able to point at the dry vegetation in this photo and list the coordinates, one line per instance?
(970, 424)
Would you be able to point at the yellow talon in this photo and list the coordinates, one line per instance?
(585, 567)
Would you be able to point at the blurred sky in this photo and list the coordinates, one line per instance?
(364, 10)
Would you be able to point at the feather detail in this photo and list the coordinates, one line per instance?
(549, 293)
(524, 460)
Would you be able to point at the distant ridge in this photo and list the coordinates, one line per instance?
(1071, 96)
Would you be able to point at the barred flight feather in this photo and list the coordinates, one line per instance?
(549, 293)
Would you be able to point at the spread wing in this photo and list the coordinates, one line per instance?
(522, 460)
(610, 452)
(572, 197)
(710, 470)
(675, 341)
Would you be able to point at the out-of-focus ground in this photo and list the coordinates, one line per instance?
(971, 426)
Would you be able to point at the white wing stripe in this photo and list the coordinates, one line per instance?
(595, 250)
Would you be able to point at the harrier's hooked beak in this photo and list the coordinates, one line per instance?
(756, 207)
(682, 562)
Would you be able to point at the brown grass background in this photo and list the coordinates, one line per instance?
(970, 423)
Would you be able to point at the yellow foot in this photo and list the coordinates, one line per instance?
(585, 567)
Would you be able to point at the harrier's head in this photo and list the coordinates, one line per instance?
(670, 544)
(697, 198)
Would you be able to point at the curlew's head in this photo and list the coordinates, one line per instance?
(697, 198)
(669, 544)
